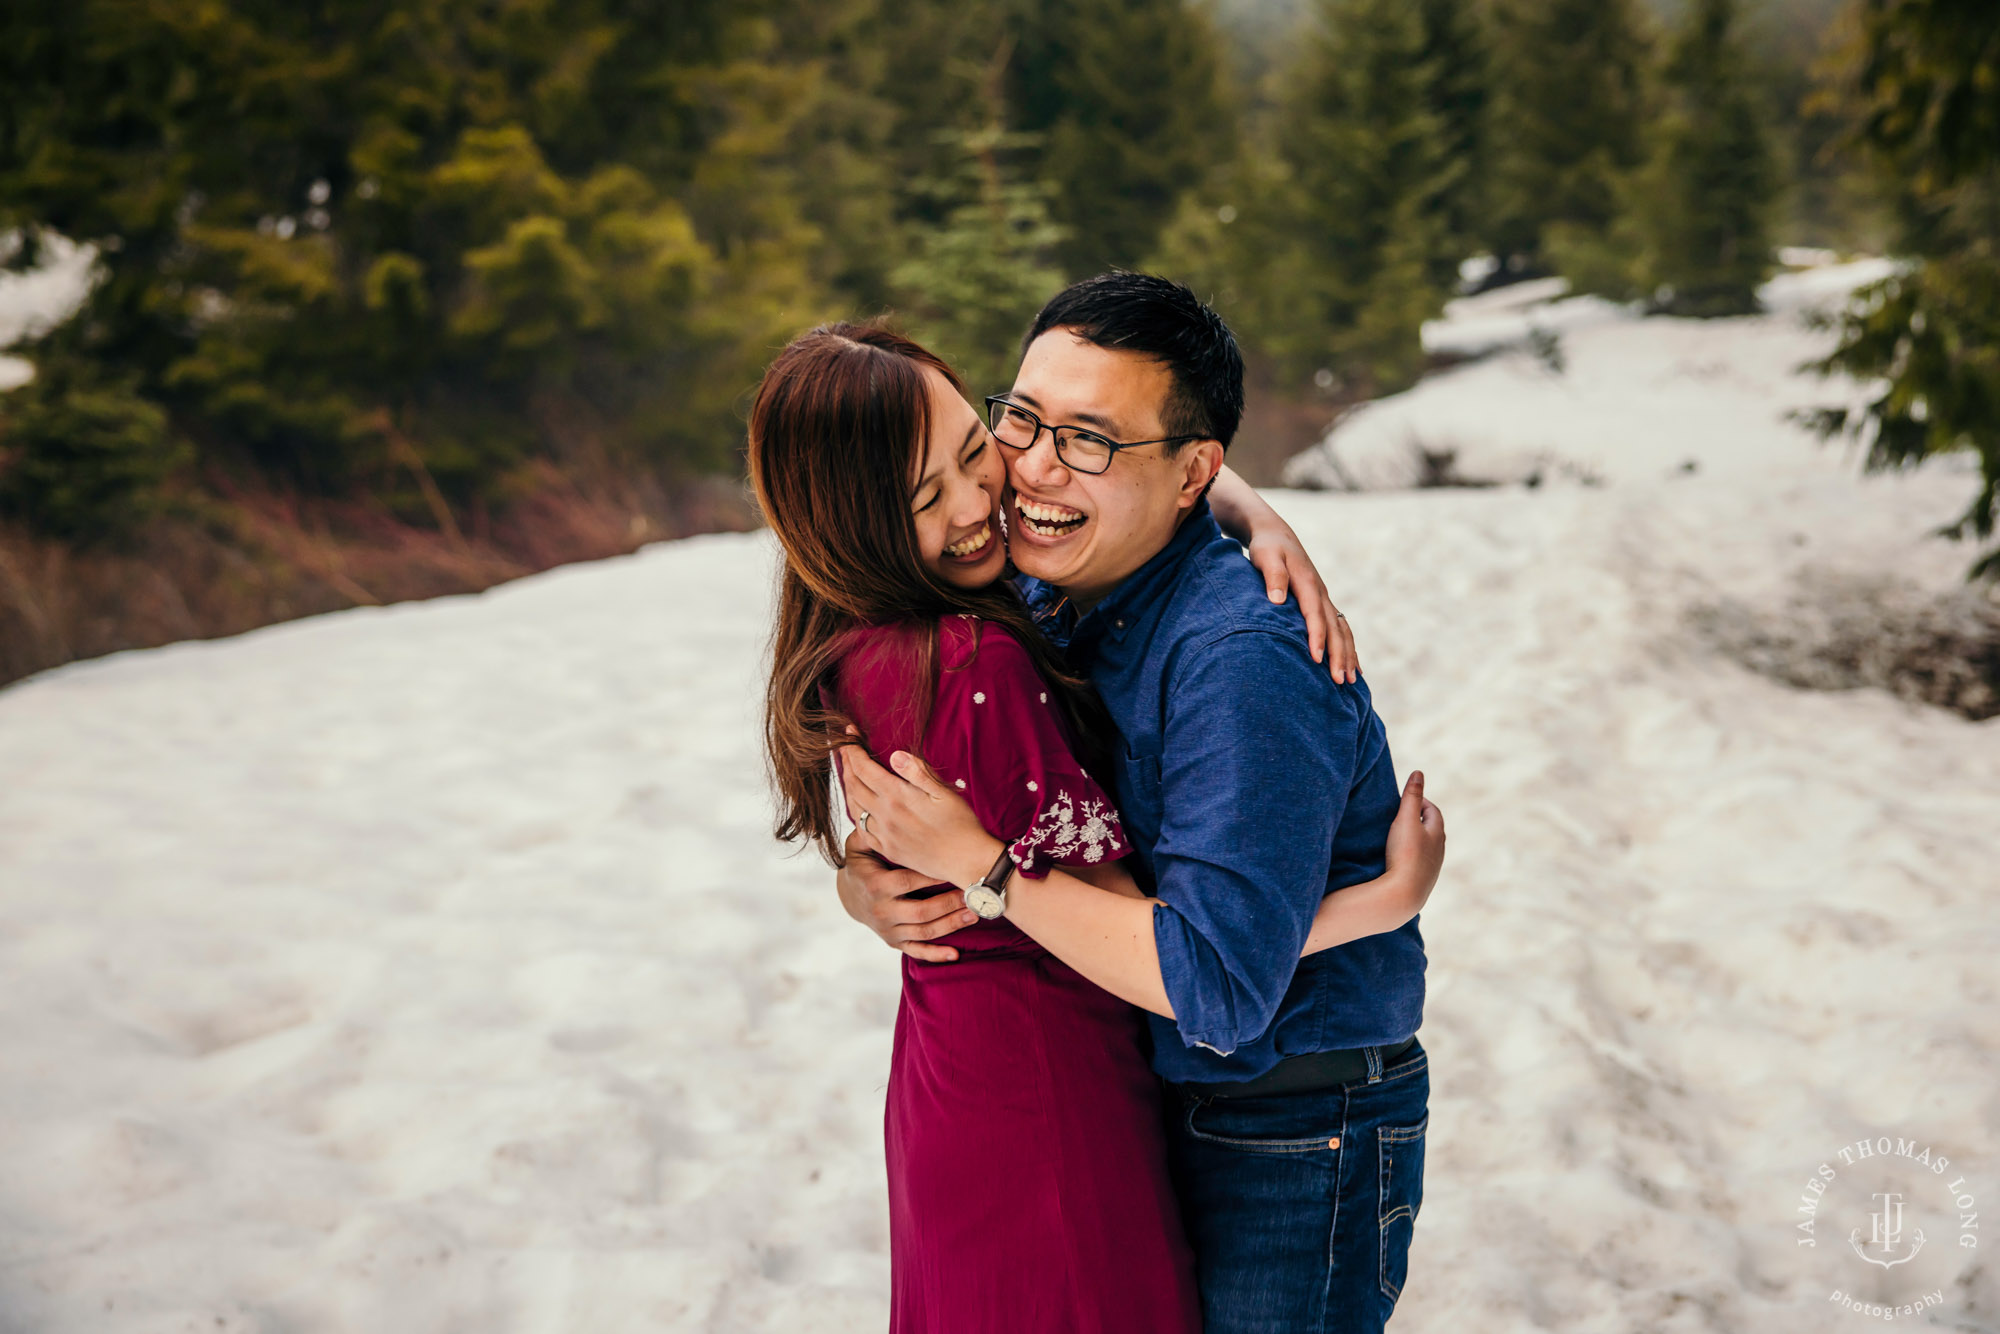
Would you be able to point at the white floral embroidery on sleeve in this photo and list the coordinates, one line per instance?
(1069, 827)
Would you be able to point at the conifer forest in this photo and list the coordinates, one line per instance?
(398, 297)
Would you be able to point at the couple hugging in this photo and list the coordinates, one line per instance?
(1076, 699)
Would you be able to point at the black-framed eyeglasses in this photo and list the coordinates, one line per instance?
(1085, 451)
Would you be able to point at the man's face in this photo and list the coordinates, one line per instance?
(1084, 532)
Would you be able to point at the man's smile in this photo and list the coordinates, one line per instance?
(1048, 521)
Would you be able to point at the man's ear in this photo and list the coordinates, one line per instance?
(1200, 461)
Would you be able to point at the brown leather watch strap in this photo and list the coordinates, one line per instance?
(1003, 868)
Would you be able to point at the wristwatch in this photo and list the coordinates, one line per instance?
(987, 895)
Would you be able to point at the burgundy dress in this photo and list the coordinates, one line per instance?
(1028, 1187)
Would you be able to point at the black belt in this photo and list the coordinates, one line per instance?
(1298, 1074)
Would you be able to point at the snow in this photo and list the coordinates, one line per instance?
(40, 299)
(431, 967)
(1609, 397)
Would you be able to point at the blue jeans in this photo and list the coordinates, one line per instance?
(1301, 1206)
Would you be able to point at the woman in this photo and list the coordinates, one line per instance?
(1027, 1167)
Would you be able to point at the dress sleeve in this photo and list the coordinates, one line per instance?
(996, 735)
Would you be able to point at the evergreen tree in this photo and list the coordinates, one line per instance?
(87, 455)
(1706, 214)
(1239, 243)
(1126, 99)
(1923, 80)
(1373, 182)
(838, 159)
(976, 279)
(1568, 119)
(1457, 52)
(903, 84)
(400, 250)
(1331, 251)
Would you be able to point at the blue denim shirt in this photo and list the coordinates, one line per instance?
(1251, 785)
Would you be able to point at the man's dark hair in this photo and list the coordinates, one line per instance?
(1158, 318)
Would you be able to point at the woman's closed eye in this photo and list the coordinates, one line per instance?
(971, 458)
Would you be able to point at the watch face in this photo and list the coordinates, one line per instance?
(984, 901)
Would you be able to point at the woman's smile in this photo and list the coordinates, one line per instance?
(972, 547)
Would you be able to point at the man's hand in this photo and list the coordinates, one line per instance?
(871, 891)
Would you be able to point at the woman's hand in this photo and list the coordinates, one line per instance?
(1281, 558)
(1416, 841)
(914, 819)
(1416, 853)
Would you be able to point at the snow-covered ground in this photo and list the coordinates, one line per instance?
(1579, 389)
(431, 968)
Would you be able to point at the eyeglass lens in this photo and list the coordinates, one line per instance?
(1019, 428)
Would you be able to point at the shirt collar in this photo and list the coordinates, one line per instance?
(1122, 608)
(1051, 609)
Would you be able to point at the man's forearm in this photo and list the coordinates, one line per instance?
(1104, 936)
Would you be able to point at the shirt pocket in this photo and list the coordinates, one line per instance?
(1142, 772)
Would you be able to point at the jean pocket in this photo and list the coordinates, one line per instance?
(1402, 1167)
(1247, 1125)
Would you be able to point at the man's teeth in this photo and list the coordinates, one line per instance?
(1049, 520)
(971, 544)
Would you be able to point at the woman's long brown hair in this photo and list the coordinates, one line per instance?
(838, 427)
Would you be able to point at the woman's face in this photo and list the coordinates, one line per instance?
(955, 493)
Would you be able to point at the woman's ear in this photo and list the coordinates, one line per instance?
(1200, 461)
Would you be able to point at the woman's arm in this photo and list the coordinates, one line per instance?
(1057, 918)
(1281, 558)
(1415, 856)
(1112, 878)
(1108, 937)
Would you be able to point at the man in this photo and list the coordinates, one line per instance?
(1251, 785)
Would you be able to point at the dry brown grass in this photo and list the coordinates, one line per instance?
(261, 557)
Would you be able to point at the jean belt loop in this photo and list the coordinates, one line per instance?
(1374, 1064)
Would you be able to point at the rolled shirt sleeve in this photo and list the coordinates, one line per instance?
(1258, 756)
